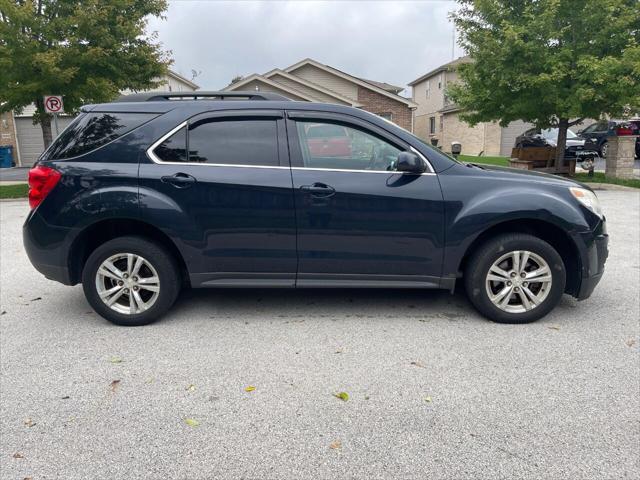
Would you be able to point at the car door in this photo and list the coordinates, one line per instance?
(220, 186)
(359, 221)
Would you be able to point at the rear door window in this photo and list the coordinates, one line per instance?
(93, 130)
(245, 142)
(234, 142)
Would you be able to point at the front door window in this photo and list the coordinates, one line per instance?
(334, 146)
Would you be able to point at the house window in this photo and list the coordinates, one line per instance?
(441, 123)
(432, 125)
(386, 115)
(428, 90)
(440, 82)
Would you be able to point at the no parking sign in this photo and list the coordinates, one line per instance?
(53, 104)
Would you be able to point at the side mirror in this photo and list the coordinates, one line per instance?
(410, 163)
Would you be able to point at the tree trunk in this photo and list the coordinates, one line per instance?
(563, 126)
(45, 123)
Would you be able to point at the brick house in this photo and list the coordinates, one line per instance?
(437, 118)
(309, 80)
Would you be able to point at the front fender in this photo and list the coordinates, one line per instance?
(471, 212)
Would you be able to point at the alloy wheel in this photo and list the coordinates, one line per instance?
(127, 283)
(518, 281)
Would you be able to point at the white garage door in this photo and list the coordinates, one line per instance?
(509, 134)
(30, 138)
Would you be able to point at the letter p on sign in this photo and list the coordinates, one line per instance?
(53, 104)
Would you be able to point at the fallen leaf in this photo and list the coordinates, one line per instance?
(114, 385)
(554, 327)
(213, 398)
(3, 312)
(35, 299)
(336, 445)
(631, 342)
(29, 423)
(418, 364)
(427, 399)
(18, 455)
(150, 380)
(250, 388)
(344, 396)
(66, 397)
(367, 397)
(191, 422)
(115, 360)
(338, 351)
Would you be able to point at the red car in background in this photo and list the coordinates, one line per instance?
(326, 140)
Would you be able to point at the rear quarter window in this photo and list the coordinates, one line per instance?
(93, 130)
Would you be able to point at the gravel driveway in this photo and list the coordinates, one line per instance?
(434, 390)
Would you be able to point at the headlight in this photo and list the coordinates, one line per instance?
(588, 199)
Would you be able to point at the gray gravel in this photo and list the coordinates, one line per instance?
(552, 400)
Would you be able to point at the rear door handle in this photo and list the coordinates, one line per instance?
(318, 190)
(179, 180)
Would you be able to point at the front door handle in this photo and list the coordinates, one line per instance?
(318, 190)
(179, 180)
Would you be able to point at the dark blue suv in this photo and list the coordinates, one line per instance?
(139, 198)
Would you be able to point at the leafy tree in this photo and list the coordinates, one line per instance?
(548, 61)
(85, 50)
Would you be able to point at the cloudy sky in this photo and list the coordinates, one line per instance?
(391, 41)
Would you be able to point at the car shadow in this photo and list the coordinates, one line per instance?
(323, 303)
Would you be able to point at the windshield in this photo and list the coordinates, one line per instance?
(552, 134)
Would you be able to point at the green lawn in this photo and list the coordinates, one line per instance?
(14, 191)
(598, 177)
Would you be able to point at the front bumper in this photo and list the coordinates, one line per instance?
(597, 251)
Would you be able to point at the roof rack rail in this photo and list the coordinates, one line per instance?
(236, 95)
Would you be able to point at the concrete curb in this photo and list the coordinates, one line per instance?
(12, 182)
(611, 186)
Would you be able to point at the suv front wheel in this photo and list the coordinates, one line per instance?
(515, 278)
(131, 281)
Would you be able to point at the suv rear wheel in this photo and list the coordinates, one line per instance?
(515, 278)
(131, 281)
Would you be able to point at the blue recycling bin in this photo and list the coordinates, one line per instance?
(6, 156)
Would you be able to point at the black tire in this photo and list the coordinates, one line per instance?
(483, 258)
(161, 260)
(603, 150)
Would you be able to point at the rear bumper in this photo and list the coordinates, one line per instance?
(45, 247)
(597, 251)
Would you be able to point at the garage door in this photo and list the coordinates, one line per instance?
(509, 134)
(30, 138)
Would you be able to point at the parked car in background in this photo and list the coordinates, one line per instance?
(576, 148)
(599, 132)
(139, 198)
(327, 140)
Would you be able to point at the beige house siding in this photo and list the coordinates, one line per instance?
(265, 87)
(315, 94)
(483, 137)
(327, 80)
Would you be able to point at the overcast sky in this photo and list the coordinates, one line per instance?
(394, 42)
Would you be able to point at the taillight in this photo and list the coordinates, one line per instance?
(41, 182)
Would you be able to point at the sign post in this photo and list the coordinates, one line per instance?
(53, 104)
